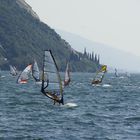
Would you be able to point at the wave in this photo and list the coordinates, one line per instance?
(70, 105)
(106, 85)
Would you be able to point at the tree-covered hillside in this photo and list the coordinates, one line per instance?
(23, 37)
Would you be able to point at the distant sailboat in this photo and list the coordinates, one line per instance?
(51, 81)
(24, 76)
(35, 71)
(67, 76)
(100, 75)
(13, 70)
(116, 73)
(127, 74)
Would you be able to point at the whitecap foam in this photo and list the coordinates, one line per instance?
(38, 83)
(121, 77)
(96, 85)
(106, 85)
(71, 105)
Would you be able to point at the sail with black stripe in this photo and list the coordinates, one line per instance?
(13, 70)
(51, 80)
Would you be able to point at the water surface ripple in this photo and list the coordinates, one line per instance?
(107, 112)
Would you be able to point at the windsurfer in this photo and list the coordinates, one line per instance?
(53, 88)
(96, 81)
(57, 99)
(54, 96)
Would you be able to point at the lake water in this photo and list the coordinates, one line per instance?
(107, 112)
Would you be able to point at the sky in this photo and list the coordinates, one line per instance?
(112, 22)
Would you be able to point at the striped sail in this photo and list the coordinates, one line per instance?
(13, 70)
(51, 81)
(24, 76)
(35, 71)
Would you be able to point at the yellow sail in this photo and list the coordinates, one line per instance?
(100, 75)
(103, 68)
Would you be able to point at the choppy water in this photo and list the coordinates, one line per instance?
(107, 112)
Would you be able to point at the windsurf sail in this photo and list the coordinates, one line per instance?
(67, 76)
(24, 76)
(100, 75)
(13, 70)
(51, 80)
(35, 71)
(116, 73)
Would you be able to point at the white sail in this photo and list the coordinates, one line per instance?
(51, 81)
(24, 76)
(67, 76)
(35, 71)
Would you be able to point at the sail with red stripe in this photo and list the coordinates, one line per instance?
(24, 76)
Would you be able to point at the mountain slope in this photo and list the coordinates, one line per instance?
(23, 37)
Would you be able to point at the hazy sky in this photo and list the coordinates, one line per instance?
(112, 22)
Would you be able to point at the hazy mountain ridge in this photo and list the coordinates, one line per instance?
(23, 37)
(112, 57)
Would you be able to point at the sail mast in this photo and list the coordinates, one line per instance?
(60, 82)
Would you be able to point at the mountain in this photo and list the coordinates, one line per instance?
(114, 58)
(23, 37)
